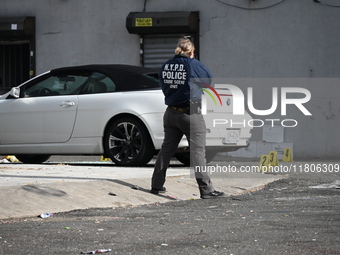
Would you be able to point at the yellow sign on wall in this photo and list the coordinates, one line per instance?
(143, 22)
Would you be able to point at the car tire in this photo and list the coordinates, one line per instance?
(127, 143)
(32, 158)
(184, 158)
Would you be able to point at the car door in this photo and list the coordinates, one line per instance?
(44, 113)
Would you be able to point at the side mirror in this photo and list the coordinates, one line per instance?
(15, 92)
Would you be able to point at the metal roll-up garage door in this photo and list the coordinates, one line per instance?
(160, 31)
(158, 49)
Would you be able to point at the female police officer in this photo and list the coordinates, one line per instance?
(181, 78)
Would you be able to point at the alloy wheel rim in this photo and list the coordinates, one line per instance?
(125, 142)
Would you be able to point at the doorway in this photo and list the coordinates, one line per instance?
(17, 51)
(14, 64)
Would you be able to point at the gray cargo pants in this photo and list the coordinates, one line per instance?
(177, 124)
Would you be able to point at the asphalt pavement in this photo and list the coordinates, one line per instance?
(281, 212)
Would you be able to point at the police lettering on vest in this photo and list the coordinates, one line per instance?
(174, 75)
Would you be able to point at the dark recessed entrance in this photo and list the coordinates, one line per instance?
(17, 48)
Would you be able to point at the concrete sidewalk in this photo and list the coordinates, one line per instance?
(29, 190)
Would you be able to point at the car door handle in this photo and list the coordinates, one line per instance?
(67, 104)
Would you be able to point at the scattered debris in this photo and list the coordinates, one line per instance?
(235, 198)
(333, 185)
(112, 194)
(4, 161)
(12, 158)
(96, 251)
(45, 215)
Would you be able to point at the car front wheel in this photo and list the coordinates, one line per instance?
(127, 142)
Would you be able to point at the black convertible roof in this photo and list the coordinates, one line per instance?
(125, 77)
(108, 68)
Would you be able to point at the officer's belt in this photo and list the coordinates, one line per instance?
(180, 109)
(186, 110)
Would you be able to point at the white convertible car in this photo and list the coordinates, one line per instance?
(110, 110)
